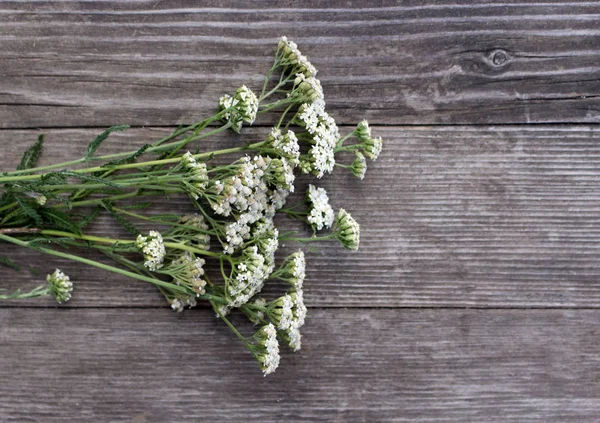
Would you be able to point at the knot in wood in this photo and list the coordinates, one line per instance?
(498, 57)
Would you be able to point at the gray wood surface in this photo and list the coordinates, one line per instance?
(358, 365)
(160, 63)
(475, 295)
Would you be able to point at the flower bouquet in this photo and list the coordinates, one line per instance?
(49, 208)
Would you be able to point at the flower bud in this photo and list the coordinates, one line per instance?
(347, 230)
(60, 285)
(359, 166)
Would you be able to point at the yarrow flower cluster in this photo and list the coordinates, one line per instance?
(178, 304)
(266, 348)
(187, 270)
(285, 146)
(60, 286)
(320, 213)
(197, 177)
(197, 226)
(290, 57)
(237, 202)
(257, 190)
(293, 270)
(322, 134)
(248, 277)
(153, 248)
(359, 166)
(240, 108)
(307, 90)
(371, 146)
(347, 230)
(288, 313)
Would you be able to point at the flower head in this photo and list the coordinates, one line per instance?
(41, 199)
(347, 230)
(284, 145)
(187, 270)
(240, 108)
(153, 248)
(372, 147)
(293, 338)
(293, 60)
(281, 312)
(299, 308)
(320, 213)
(259, 315)
(288, 313)
(60, 286)
(359, 166)
(280, 174)
(196, 224)
(363, 131)
(247, 279)
(323, 135)
(266, 349)
(196, 179)
(177, 304)
(293, 269)
(307, 90)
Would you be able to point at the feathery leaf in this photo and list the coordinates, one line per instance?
(31, 156)
(93, 146)
(29, 210)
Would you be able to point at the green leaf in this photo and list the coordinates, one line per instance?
(6, 262)
(53, 178)
(93, 146)
(129, 159)
(89, 218)
(91, 178)
(137, 206)
(29, 210)
(124, 222)
(40, 242)
(59, 220)
(31, 156)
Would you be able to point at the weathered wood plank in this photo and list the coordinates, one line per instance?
(162, 63)
(90, 365)
(451, 216)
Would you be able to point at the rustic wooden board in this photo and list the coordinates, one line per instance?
(451, 216)
(148, 365)
(72, 64)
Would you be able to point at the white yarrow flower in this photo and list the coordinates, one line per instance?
(266, 349)
(347, 230)
(320, 213)
(240, 108)
(60, 286)
(153, 248)
(290, 57)
(359, 166)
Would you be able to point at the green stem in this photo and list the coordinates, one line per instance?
(306, 240)
(244, 340)
(179, 246)
(157, 146)
(141, 164)
(40, 291)
(63, 234)
(93, 263)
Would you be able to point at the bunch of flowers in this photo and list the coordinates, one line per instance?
(236, 200)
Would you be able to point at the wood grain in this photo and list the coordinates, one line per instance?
(90, 365)
(72, 64)
(451, 216)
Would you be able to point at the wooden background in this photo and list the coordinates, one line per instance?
(475, 296)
